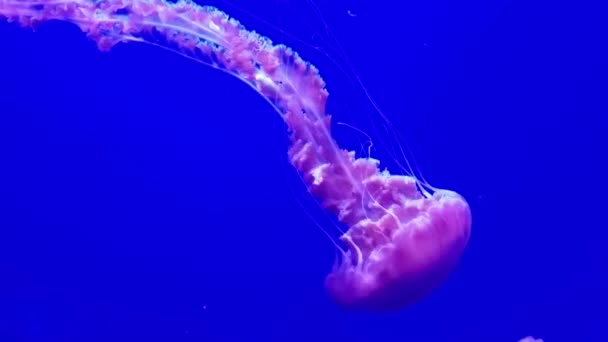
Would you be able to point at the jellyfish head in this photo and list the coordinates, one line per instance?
(396, 259)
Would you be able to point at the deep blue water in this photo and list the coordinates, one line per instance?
(146, 197)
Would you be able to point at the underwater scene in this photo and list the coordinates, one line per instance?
(297, 170)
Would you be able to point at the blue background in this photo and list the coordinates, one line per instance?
(148, 197)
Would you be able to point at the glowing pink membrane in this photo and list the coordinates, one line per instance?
(401, 242)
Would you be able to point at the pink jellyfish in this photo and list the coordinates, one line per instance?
(530, 339)
(403, 238)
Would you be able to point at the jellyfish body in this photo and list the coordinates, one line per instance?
(402, 240)
(414, 252)
(530, 339)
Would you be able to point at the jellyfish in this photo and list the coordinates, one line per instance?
(403, 236)
(530, 339)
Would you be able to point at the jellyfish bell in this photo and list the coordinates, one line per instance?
(395, 260)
